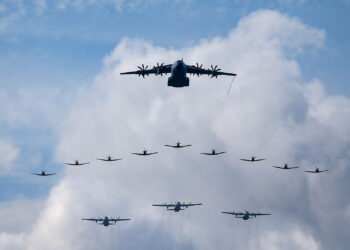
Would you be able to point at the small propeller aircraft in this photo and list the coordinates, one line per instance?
(178, 206)
(144, 153)
(178, 71)
(178, 145)
(244, 216)
(76, 163)
(43, 173)
(109, 158)
(106, 221)
(213, 152)
(284, 167)
(253, 159)
(316, 171)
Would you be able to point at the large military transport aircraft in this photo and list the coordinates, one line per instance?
(244, 216)
(178, 71)
(178, 206)
(106, 221)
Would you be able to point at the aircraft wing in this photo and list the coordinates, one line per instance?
(277, 167)
(312, 171)
(138, 154)
(50, 174)
(259, 159)
(257, 214)
(232, 213)
(171, 146)
(153, 153)
(163, 205)
(214, 71)
(191, 204)
(157, 70)
(206, 153)
(93, 219)
(116, 220)
(220, 153)
(183, 146)
(35, 174)
(293, 167)
(245, 160)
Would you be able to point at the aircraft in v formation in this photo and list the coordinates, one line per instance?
(316, 171)
(43, 173)
(77, 163)
(178, 71)
(178, 145)
(213, 152)
(177, 206)
(105, 221)
(253, 159)
(108, 158)
(144, 153)
(285, 166)
(246, 215)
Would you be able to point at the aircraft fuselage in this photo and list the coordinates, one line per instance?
(105, 222)
(178, 77)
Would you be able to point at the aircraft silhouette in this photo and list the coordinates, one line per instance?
(177, 206)
(245, 216)
(109, 158)
(76, 163)
(178, 145)
(178, 71)
(284, 167)
(144, 153)
(43, 173)
(106, 221)
(213, 152)
(253, 159)
(316, 171)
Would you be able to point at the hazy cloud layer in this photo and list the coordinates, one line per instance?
(269, 113)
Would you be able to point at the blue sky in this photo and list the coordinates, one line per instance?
(62, 99)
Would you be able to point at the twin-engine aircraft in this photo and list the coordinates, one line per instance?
(106, 221)
(213, 152)
(253, 159)
(178, 206)
(178, 145)
(284, 167)
(43, 173)
(144, 153)
(76, 163)
(178, 71)
(109, 158)
(316, 171)
(244, 216)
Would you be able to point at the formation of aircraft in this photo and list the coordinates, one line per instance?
(106, 221)
(284, 167)
(144, 153)
(316, 171)
(109, 158)
(178, 206)
(213, 152)
(76, 163)
(245, 216)
(178, 71)
(177, 145)
(43, 173)
(253, 159)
